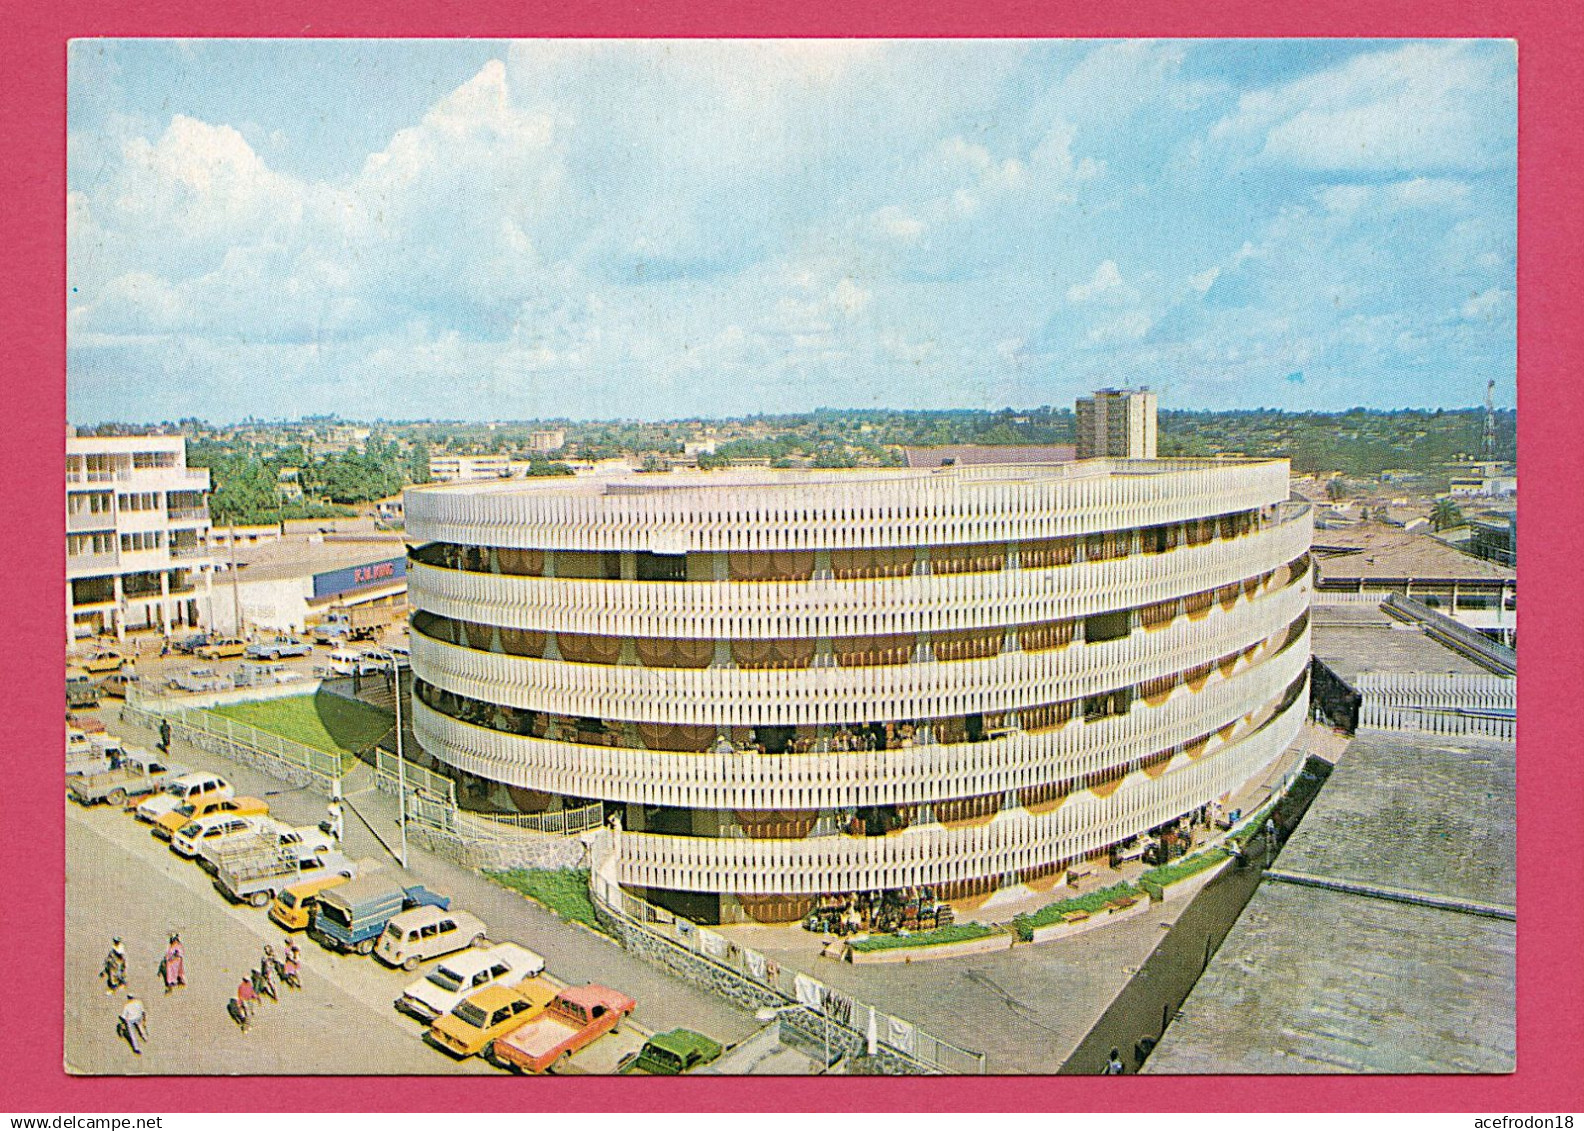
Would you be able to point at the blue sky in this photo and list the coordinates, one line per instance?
(477, 230)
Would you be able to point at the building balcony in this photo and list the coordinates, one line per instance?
(931, 854)
(90, 565)
(908, 775)
(85, 522)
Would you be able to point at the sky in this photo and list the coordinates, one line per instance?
(668, 229)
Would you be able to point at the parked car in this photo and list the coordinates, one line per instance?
(104, 660)
(188, 787)
(261, 674)
(187, 645)
(222, 648)
(90, 723)
(416, 936)
(81, 692)
(473, 1026)
(350, 661)
(200, 679)
(189, 811)
(117, 683)
(353, 917)
(439, 991)
(277, 648)
(140, 774)
(205, 832)
(579, 1016)
(671, 1054)
(293, 907)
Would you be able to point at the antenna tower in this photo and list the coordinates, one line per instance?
(1488, 444)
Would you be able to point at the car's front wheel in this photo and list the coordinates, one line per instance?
(410, 963)
(366, 946)
(259, 899)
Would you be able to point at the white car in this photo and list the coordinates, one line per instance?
(349, 661)
(206, 832)
(462, 974)
(187, 788)
(422, 933)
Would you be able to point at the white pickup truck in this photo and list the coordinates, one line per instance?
(257, 877)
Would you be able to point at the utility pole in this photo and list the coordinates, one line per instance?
(236, 592)
(401, 760)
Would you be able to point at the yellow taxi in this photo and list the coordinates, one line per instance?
(103, 661)
(168, 825)
(293, 907)
(227, 648)
(472, 1026)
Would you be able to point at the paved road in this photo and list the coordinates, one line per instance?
(119, 880)
(146, 873)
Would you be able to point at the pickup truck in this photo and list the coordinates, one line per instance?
(91, 753)
(257, 878)
(671, 1054)
(300, 842)
(140, 774)
(352, 917)
(200, 679)
(578, 1016)
(277, 648)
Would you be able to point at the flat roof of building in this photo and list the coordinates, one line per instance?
(1317, 980)
(980, 454)
(639, 483)
(1369, 552)
(1350, 642)
(299, 557)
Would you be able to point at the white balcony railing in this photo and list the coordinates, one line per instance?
(908, 775)
(814, 696)
(931, 854)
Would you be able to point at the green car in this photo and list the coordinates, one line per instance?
(673, 1053)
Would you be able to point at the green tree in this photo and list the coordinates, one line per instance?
(1445, 514)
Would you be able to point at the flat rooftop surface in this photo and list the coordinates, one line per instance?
(1312, 980)
(1350, 649)
(297, 556)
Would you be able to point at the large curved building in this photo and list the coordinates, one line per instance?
(797, 683)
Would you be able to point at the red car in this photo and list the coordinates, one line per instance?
(578, 1016)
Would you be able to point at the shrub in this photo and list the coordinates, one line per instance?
(940, 936)
(1052, 913)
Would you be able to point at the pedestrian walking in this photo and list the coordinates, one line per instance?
(1114, 1065)
(115, 966)
(336, 820)
(165, 735)
(246, 995)
(132, 1024)
(173, 967)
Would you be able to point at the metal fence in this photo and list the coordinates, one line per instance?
(269, 753)
(848, 1017)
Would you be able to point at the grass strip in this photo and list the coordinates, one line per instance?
(562, 890)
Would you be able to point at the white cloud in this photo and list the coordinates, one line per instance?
(1105, 286)
(1485, 304)
(1422, 106)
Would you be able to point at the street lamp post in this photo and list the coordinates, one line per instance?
(401, 760)
(770, 1013)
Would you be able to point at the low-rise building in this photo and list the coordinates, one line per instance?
(447, 468)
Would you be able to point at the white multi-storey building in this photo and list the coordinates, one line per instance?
(137, 526)
(467, 469)
(788, 684)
